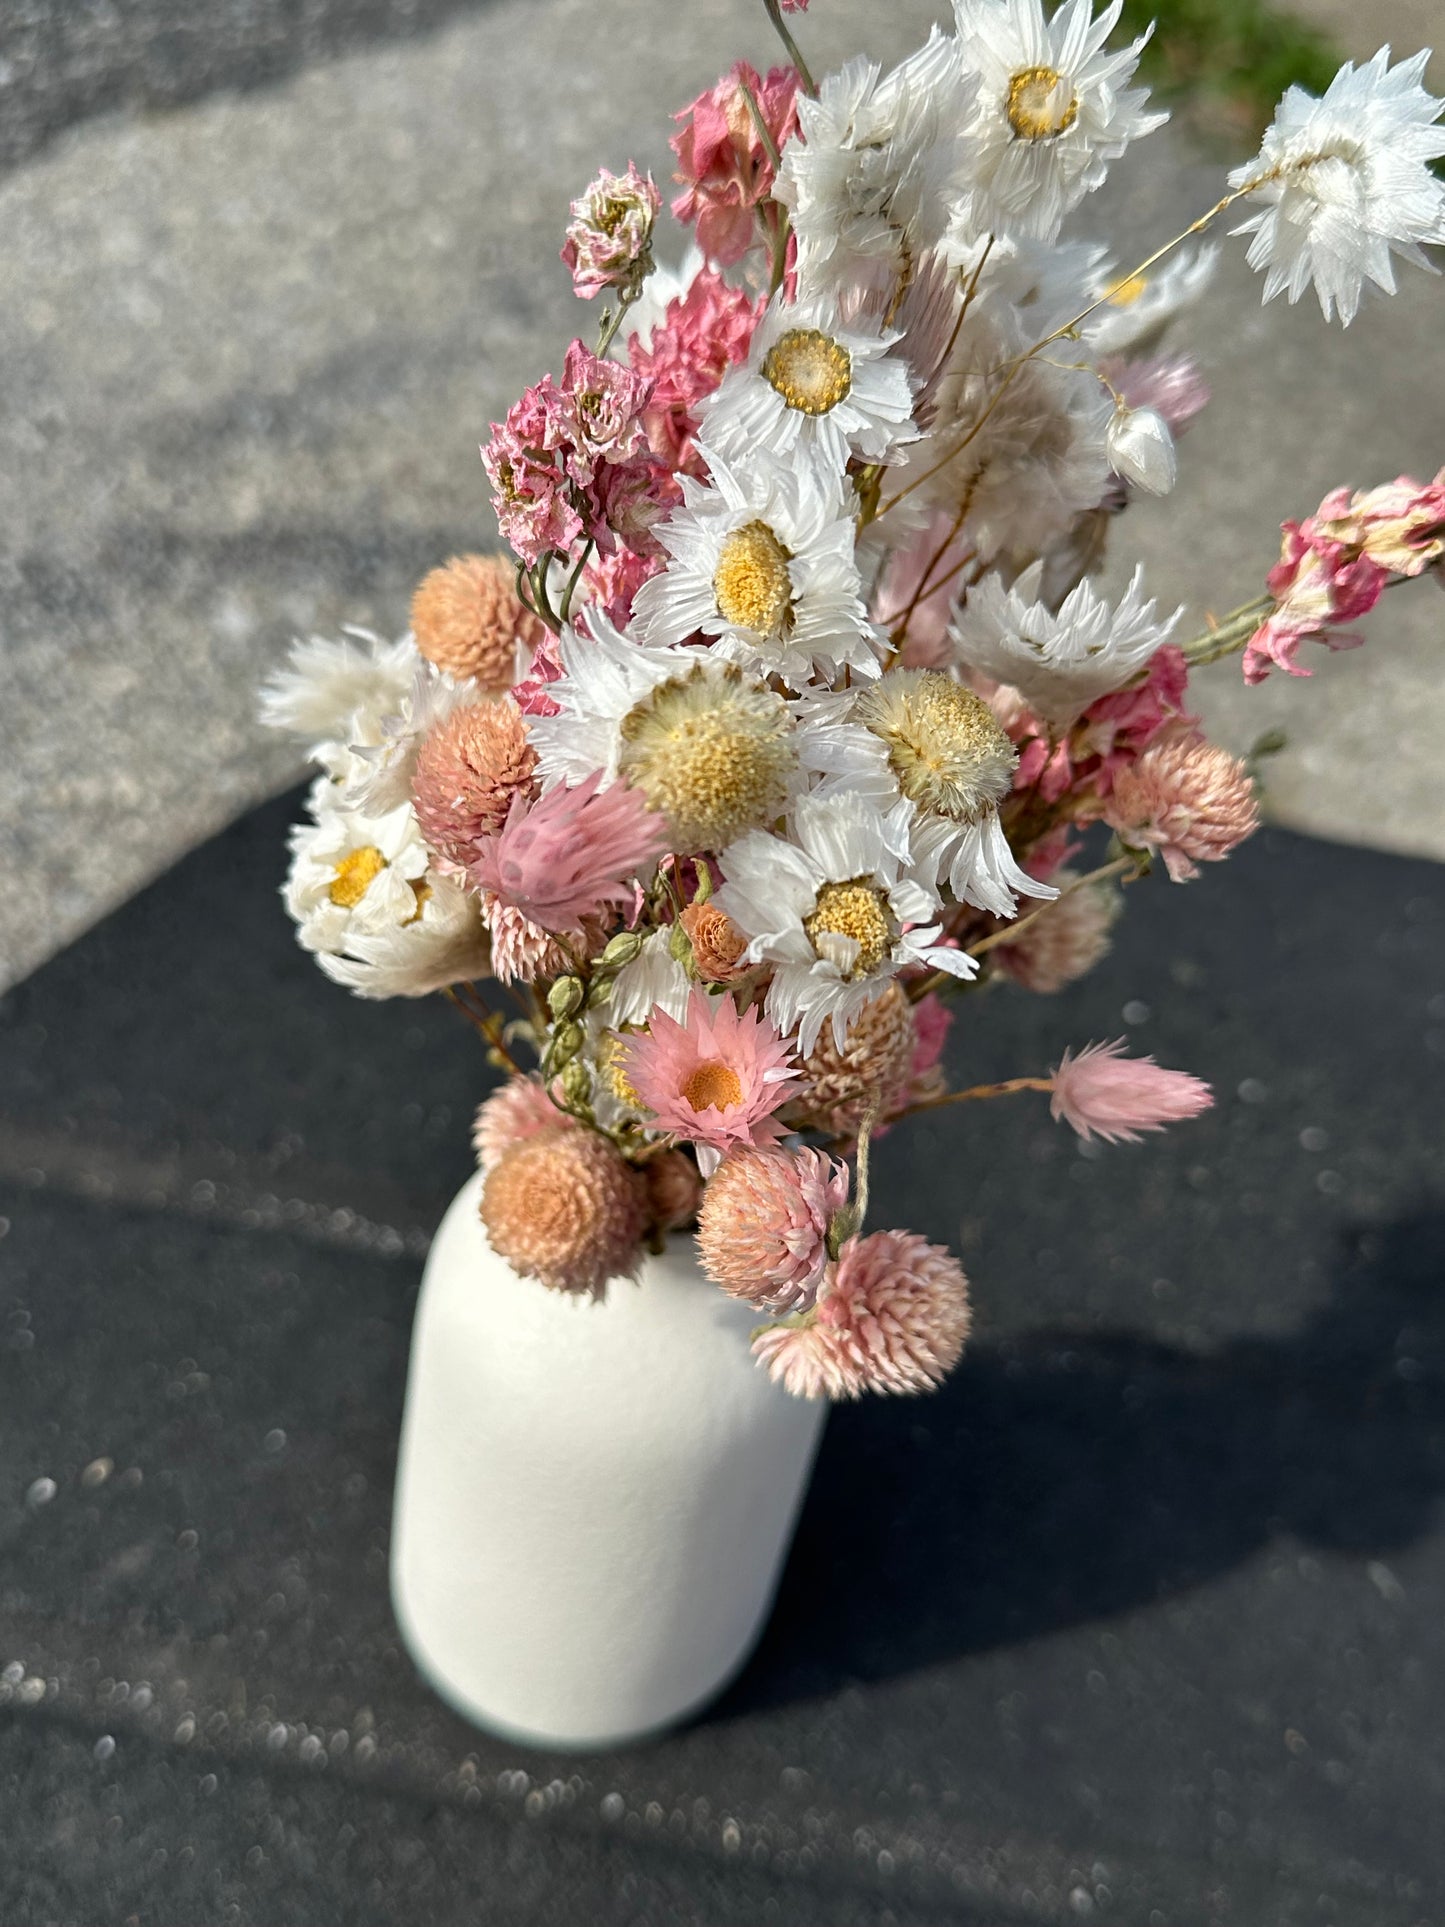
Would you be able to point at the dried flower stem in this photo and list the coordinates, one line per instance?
(487, 1021)
(790, 46)
(1006, 1089)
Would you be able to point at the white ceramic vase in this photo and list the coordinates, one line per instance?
(593, 1502)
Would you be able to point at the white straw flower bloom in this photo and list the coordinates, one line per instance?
(376, 917)
(835, 912)
(1052, 109)
(1343, 182)
(339, 692)
(872, 177)
(763, 559)
(811, 383)
(1137, 310)
(1058, 663)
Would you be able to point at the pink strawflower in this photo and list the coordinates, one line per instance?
(723, 166)
(470, 767)
(569, 856)
(892, 1317)
(513, 1113)
(1169, 384)
(1186, 798)
(702, 334)
(762, 1233)
(609, 238)
(715, 1080)
(1105, 1094)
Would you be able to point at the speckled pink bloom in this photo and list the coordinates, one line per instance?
(762, 1233)
(568, 856)
(892, 1317)
(470, 767)
(1102, 1093)
(1186, 798)
(715, 1080)
(723, 167)
(609, 238)
(513, 1113)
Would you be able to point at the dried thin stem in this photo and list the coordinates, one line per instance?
(790, 46)
(976, 1091)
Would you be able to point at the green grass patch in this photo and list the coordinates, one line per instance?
(1232, 59)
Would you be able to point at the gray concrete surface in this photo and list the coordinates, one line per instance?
(252, 346)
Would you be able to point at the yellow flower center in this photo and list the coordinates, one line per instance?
(810, 370)
(1041, 104)
(422, 893)
(713, 1085)
(751, 583)
(713, 752)
(611, 1066)
(1128, 292)
(855, 910)
(355, 874)
(948, 750)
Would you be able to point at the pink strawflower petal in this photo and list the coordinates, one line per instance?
(1102, 1093)
(570, 855)
(892, 1317)
(715, 1080)
(763, 1230)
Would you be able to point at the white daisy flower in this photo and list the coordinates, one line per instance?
(333, 692)
(871, 178)
(1051, 110)
(764, 560)
(1343, 182)
(834, 911)
(377, 918)
(1136, 311)
(810, 382)
(382, 751)
(1058, 663)
(709, 744)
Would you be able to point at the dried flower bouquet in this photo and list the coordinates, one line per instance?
(777, 731)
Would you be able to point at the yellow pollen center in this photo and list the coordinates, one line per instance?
(713, 1085)
(612, 1066)
(948, 750)
(853, 910)
(355, 874)
(1128, 292)
(810, 370)
(1041, 104)
(713, 753)
(751, 584)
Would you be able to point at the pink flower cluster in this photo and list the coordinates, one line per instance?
(702, 334)
(609, 238)
(570, 461)
(1335, 565)
(722, 164)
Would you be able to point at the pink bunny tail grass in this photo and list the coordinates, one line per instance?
(893, 1317)
(1102, 1093)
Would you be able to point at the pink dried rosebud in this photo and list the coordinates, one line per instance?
(762, 1233)
(717, 943)
(716, 1080)
(1105, 1094)
(892, 1317)
(468, 619)
(567, 857)
(470, 768)
(563, 1206)
(723, 166)
(1064, 940)
(512, 1114)
(1186, 798)
(609, 238)
(674, 1189)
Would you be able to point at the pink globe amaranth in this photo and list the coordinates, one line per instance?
(565, 1207)
(893, 1316)
(518, 1110)
(470, 768)
(762, 1233)
(1186, 798)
